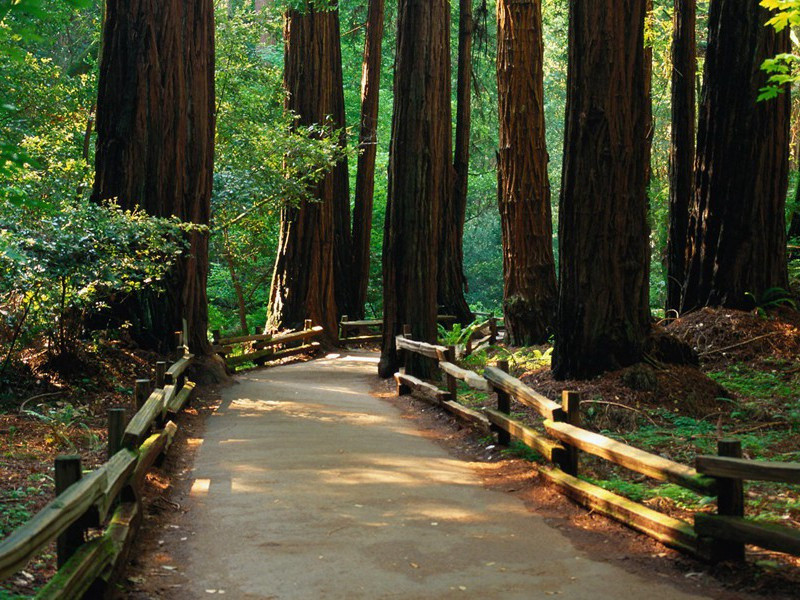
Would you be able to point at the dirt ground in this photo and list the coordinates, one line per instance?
(161, 552)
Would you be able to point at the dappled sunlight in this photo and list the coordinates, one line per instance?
(200, 487)
(362, 359)
(408, 471)
(309, 387)
(245, 407)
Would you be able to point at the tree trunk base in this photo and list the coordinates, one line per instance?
(666, 348)
(209, 370)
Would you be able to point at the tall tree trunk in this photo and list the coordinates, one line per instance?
(737, 229)
(343, 273)
(529, 276)
(368, 143)
(681, 153)
(603, 314)
(452, 282)
(155, 145)
(419, 167)
(303, 281)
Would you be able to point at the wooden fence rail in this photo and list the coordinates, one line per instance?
(86, 569)
(371, 330)
(267, 347)
(712, 537)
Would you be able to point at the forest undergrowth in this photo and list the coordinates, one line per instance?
(47, 410)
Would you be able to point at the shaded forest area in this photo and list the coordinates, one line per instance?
(622, 191)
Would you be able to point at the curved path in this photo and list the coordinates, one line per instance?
(308, 487)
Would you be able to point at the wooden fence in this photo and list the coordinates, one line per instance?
(474, 337)
(107, 498)
(371, 330)
(263, 348)
(711, 537)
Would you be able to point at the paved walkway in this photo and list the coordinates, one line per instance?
(307, 487)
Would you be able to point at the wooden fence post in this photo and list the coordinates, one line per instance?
(307, 325)
(141, 390)
(730, 502)
(404, 360)
(161, 369)
(401, 388)
(68, 471)
(492, 330)
(503, 405)
(452, 384)
(343, 333)
(216, 336)
(116, 428)
(571, 403)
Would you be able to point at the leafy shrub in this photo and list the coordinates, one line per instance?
(58, 266)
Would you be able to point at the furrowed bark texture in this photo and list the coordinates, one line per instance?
(343, 274)
(419, 168)
(681, 154)
(737, 234)
(452, 282)
(603, 314)
(303, 281)
(155, 146)
(368, 142)
(530, 292)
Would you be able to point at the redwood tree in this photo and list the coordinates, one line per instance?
(452, 282)
(737, 235)
(155, 145)
(419, 167)
(603, 314)
(368, 143)
(530, 293)
(681, 155)
(303, 281)
(343, 274)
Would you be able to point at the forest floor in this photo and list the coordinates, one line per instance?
(748, 388)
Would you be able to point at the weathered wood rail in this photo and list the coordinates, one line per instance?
(107, 498)
(371, 330)
(262, 348)
(713, 537)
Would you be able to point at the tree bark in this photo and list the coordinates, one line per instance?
(419, 167)
(452, 282)
(155, 146)
(681, 155)
(303, 280)
(529, 292)
(737, 229)
(343, 272)
(603, 315)
(368, 143)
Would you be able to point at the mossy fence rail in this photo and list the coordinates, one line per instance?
(713, 537)
(107, 499)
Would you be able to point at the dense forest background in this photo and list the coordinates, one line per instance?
(103, 228)
(50, 232)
